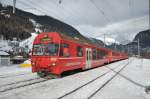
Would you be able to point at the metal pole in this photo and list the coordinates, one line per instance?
(128, 50)
(104, 41)
(115, 44)
(138, 47)
(14, 5)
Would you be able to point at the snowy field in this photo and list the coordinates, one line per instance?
(125, 79)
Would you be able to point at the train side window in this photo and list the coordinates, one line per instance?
(79, 51)
(64, 50)
(101, 54)
(94, 54)
(98, 54)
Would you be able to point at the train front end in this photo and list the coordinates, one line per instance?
(45, 54)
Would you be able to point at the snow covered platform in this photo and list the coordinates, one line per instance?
(125, 79)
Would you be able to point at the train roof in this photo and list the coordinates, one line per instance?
(82, 41)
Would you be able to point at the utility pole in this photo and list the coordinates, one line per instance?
(128, 50)
(115, 44)
(14, 5)
(138, 47)
(104, 40)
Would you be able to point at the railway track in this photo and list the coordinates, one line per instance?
(24, 83)
(15, 75)
(103, 85)
(91, 81)
(9, 84)
(21, 84)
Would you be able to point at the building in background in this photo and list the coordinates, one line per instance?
(4, 59)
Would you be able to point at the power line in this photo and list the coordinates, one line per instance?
(42, 9)
(65, 12)
(103, 13)
(71, 11)
(100, 11)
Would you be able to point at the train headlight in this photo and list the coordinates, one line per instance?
(53, 64)
(33, 63)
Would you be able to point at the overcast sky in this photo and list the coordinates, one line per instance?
(118, 19)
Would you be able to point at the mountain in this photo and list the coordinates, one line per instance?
(96, 41)
(13, 26)
(22, 24)
(144, 38)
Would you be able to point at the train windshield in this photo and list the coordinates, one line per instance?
(50, 49)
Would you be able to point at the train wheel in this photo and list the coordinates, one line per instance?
(54, 76)
(42, 74)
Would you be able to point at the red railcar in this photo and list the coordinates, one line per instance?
(54, 53)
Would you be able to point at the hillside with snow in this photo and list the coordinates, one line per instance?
(109, 41)
(28, 42)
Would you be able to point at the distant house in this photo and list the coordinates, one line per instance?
(4, 58)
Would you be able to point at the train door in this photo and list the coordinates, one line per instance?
(88, 58)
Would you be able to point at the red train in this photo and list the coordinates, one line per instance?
(55, 53)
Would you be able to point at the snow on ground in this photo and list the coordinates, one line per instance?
(118, 88)
(15, 73)
(13, 70)
(121, 88)
(58, 85)
(139, 71)
(109, 41)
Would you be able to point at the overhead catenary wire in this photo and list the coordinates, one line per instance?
(102, 13)
(42, 9)
(64, 11)
(134, 24)
(107, 18)
(70, 12)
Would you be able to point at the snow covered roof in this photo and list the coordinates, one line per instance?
(2, 53)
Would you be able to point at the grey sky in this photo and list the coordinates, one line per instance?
(119, 19)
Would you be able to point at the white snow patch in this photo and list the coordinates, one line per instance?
(29, 41)
(3, 53)
(109, 40)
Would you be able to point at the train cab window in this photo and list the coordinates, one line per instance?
(94, 54)
(51, 49)
(64, 50)
(37, 50)
(79, 51)
(46, 49)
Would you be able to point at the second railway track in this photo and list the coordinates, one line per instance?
(93, 80)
